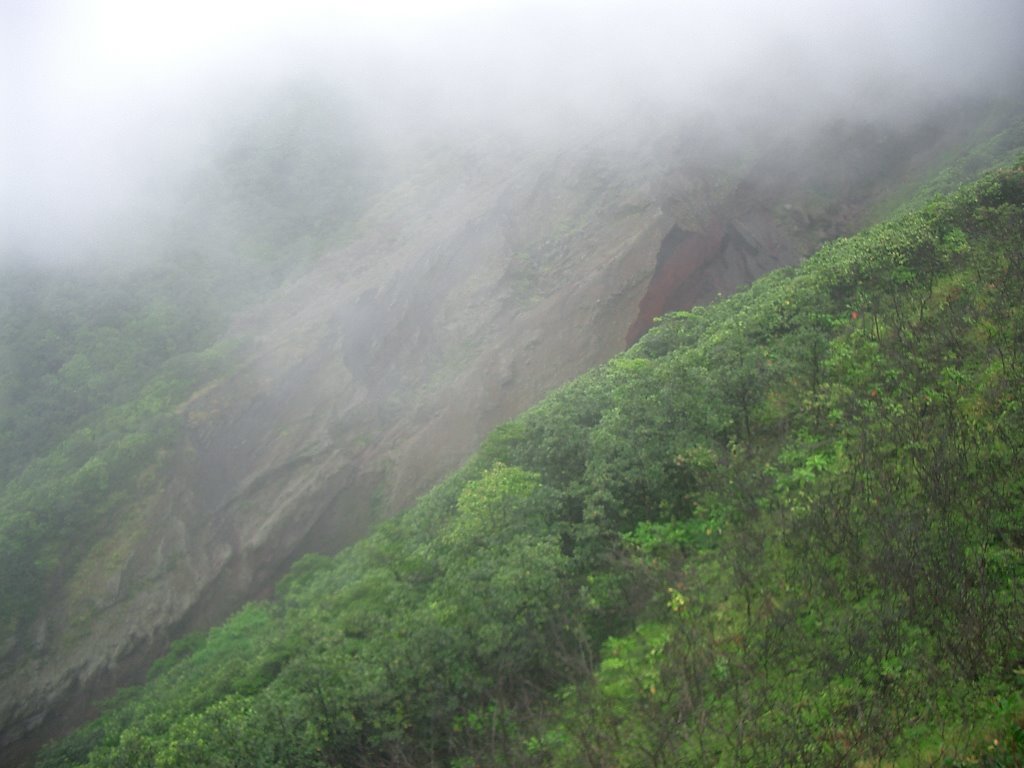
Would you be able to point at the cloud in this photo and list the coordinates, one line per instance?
(106, 92)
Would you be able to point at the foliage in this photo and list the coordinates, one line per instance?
(96, 362)
(97, 355)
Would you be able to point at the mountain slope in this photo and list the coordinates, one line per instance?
(782, 529)
(320, 330)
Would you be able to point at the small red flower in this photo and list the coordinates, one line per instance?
(854, 315)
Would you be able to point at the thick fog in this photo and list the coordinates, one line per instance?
(107, 105)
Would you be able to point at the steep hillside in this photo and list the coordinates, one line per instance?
(372, 327)
(784, 529)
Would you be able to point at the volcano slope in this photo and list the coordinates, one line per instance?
(457, 296)
(784, 529)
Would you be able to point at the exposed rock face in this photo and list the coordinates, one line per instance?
(681, 255)
(472, 289)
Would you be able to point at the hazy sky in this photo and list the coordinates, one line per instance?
(97, 92)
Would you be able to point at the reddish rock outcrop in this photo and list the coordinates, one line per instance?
(682, 256)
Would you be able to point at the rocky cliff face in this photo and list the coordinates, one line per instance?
(478, 284)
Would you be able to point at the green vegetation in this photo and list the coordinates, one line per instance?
(785, 529)
(95, 364)
(996, 144)
(97, 356)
